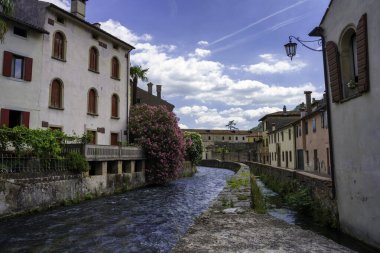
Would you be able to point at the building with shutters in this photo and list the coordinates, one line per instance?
(352, 35)
(61, 72)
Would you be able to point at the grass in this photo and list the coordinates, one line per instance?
(258, 202)
(240, 180)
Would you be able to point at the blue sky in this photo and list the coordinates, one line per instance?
(219, 60)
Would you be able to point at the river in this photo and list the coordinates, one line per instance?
(144, 220)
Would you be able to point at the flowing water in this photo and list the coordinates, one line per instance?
(279, 210)
(145, 220)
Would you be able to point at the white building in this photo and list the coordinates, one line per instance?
(352, 35)
(79, 73)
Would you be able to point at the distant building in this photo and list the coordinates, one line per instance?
(281, 146)
(351, 31)
(147, 97)
(61, 72)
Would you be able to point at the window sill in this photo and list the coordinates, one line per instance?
(351, 97)
(93, 71)
(92, 114)
(58, 59)
(117, 118)
(56, 108)
(115, 78)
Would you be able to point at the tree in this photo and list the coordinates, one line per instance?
(156, 130)
(6, 7)
(137, 72)
(194, 147)
(231, 125)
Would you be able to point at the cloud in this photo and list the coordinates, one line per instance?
(202, 43)
(182, 126)
(204, 116)
(272, 65)
(64, 4)
(200, 53)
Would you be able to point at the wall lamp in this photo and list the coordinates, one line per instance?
(291, 47)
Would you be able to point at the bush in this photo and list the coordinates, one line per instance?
(77, 163)
(194, 147)
(156, 130)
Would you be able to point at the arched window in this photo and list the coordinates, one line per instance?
(349, 62)
(115, 106)
(92, 107)
(56, 94)
(115, 68)
(59, 46)
(94, 58)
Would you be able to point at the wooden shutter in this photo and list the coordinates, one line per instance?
(114, 106)
(114, 139)
(362, 51)
(334, 71)
(56, 94)
(92, 101)
(4, 118)
(28, 69)
(7, 64)
(25, 119)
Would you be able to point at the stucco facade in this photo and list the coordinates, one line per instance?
(355, 122)
(282, 147)
(73, 72)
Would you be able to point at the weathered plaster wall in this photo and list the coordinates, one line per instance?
(356, 132)
(40, 191)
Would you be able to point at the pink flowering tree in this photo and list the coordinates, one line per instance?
(156, 130)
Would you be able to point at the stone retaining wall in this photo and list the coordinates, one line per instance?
(234, 166)
(188, 169)
(321, 187)
(26, 193)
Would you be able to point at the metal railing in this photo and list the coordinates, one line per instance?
(17, 164)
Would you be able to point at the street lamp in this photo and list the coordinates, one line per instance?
(291, 47)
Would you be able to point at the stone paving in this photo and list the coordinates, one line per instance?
(230, 225)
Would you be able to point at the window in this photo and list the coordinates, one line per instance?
(307, 157)
(243, 138)
(18, 67)
(223, 138)
(56, 94)
(236, 138)
(230, 138)
(12, 118)
(115, 106)
(94, 59)
(20, 32)
(115, 68)
(290, 156)
(314, 124)
(92, 135)
(283, 156)
(282, 135)
(209, 138)
(59, 46)
(114, 139)
(267, 142)
(92, 102)
(299, 130)
(322, 119)
(290, 134)
(306, 127)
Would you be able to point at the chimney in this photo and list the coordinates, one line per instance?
(308, 101)
(150, 88)
(284, 109)
(78, 8)
(158, 87)
(273, 126)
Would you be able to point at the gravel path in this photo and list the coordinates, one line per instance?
(229, 225)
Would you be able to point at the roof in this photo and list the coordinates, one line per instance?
(150, 99)
(91, 26)
(225, 132)
(24, 23)
(281, 114)
(327, 10)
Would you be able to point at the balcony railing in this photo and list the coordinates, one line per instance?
(105, 152)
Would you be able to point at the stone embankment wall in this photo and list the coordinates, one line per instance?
(188, 169)
(234, 166)
(28, 192)
(321, 187)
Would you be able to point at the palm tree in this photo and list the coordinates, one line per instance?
(6, 7)
(137, 72)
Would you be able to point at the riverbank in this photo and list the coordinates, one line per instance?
(230, 225)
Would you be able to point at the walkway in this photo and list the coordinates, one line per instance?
(240, 229)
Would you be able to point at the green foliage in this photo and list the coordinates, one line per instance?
(231, 125)
(77, 163)
(194, 147)
(6, 6)
(257, 128)
(241, 180)
(258, 201)
(137, 72)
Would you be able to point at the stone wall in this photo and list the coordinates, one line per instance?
(37, 192)
(321, 187)
(188, 169)
(221, 164)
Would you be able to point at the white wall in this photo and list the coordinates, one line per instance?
(77, 80)
(18, 94)
(356, 130)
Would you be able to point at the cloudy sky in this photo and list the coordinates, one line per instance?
(219, 60)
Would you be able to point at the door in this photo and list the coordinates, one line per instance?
(300, 160)
(114, 139)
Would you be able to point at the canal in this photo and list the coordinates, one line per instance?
(145, 220)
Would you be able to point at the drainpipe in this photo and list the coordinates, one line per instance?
(127, 56)
(318, 32)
